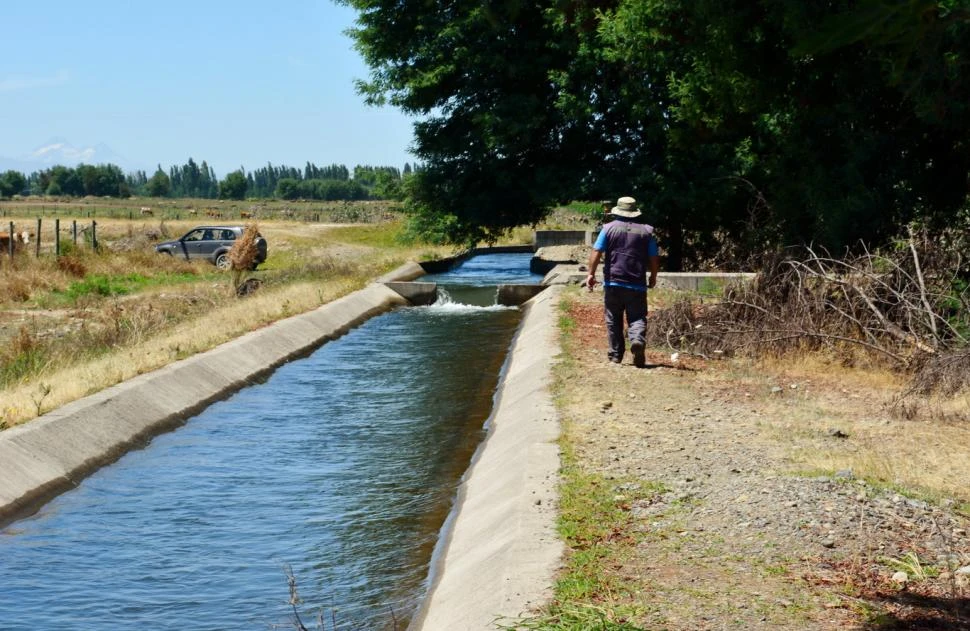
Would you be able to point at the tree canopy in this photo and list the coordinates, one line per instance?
(739, 125)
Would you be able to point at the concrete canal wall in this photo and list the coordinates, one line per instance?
(51, 454)
(500, 549)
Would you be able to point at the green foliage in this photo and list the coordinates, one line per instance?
(103, 286)
(12, 183)
(98, 285)
(100, 181)
(234, 186)
(160, 185)
(741, 127)
(330, 190)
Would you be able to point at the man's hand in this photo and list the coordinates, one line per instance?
(653, 282)
(590, 282)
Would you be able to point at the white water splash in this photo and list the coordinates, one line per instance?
(446, 304)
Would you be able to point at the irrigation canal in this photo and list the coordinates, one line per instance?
(341, 467)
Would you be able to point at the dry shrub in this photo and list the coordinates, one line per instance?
(72, 266)
(242, 256)
(947, 374)
(906, 308)
(16, 288)
(23, 343)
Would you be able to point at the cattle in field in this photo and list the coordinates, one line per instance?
(246, 215)
(19, 240)
(146, 211)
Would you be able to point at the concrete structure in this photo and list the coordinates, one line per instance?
(51, 454)
(500, 552)
(704, 282)
(545, 238)
(417, 293)
(513, 295)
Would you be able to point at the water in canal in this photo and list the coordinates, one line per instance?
(341, 466)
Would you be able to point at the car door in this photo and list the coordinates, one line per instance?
(194, 243)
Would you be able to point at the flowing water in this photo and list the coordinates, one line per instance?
(340, 468)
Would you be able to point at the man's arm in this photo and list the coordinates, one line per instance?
(591, 265)
(654, 268)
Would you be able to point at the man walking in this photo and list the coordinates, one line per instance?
(628, 250)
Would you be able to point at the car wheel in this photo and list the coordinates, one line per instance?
(222, 261)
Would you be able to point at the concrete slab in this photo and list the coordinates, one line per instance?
(574, 274)
(416, 293)
(500, 549)
(514, 295)
(51, 454)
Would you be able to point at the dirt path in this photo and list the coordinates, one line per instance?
(739, 535)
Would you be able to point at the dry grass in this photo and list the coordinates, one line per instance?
(75, 325)
(219, 325)
(928, 455)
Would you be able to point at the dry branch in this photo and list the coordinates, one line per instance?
(907, 305)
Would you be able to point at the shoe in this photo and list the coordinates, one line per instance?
(639, 357)
(615, 360)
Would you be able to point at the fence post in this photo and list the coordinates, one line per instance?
(57, 237)
(94, 235)
(10, 243)
(37, 244)
(74, 231)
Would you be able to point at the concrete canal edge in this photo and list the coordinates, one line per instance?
(51, 454)
(500, 550)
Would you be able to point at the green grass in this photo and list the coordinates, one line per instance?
(119, 285)
(379, 236)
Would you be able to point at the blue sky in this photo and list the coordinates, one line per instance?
(236, 84)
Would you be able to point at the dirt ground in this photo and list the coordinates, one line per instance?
(746, 533)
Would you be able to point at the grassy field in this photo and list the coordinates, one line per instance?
(76, 323)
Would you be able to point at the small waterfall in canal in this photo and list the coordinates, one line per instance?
(341, 466)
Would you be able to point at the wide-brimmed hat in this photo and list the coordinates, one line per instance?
(626, 207)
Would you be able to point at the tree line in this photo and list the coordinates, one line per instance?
(739, 125)
(334, 182)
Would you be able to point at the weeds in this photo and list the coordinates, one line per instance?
(43, 390)
(907, 308)
(913, 566)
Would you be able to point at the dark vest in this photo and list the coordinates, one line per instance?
(625, 257)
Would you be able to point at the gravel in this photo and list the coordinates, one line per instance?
(739, 538)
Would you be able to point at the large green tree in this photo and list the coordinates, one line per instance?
(493, 145)
(741, 125)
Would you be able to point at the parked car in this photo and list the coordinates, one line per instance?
(211, 243)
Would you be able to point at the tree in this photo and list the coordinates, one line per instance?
(160, 185)
(234, 186)
(12, 183)
(742, 126)
(496, 150)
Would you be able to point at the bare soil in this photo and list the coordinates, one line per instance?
(747, 533)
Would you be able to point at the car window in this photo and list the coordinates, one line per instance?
(195, 235)
(228, 235)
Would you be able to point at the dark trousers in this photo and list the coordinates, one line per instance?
(633, 303)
